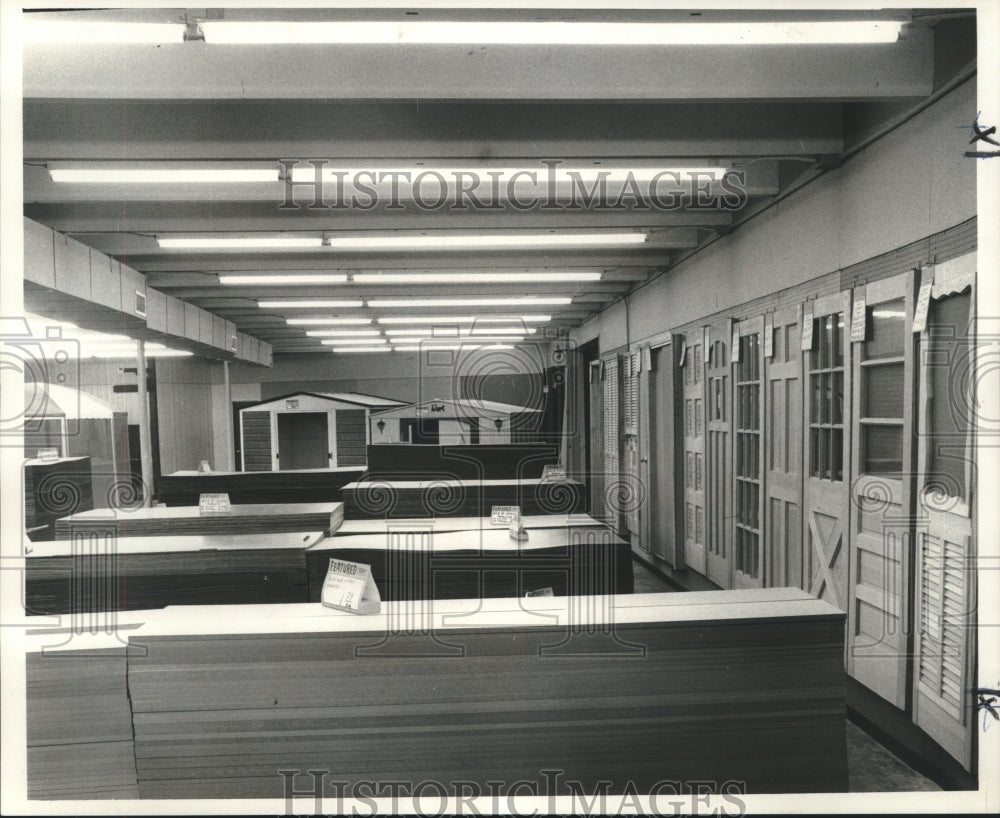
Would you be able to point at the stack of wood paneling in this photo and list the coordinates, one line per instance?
(412, 561)
(744, 686)
(161, 521)
(183, 488)
(135, 573)
(53, 489)
(80, 742)
(445, 497)
(502, 461)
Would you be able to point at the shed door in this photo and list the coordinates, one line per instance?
(256, 436)
(303, 440)
(351, 447)
(881, 485)
(944, 618)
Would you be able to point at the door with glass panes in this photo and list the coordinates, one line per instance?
(882, 467)
(718, 453)
(693, 463)
(783, 448)
(827, 403)
(944, 616)
(748, 453)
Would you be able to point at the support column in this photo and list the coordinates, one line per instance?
(227, 389)
(145, 432)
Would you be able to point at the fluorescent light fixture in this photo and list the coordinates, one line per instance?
(346, 333)
(163, 176)
(349, 341)
(445, 339)
(276, 243)
(314, 304)
(282, 279)
(434, 347)
(359, 32)
(85, 32)
(470, 302)
(502, 178)
(329, 322)
(454, 331)
(470, 278)
(361, 349)
(479, 241)
(463, 319)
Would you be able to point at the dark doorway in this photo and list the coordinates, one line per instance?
(238, 431)
(303, 440)
(420, 430)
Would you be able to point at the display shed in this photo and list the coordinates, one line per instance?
(456, 422)
(308, 430)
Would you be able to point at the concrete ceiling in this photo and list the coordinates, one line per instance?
(779, 115)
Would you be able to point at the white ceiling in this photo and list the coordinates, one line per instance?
(779, 114)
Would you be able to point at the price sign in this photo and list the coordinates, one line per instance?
(858, 318)
(349, 586)
(807, 331)
(517, 532)
(48, 455)
(923, 302)
(553, 474)
(502, 515)
(540, 592)
(213, 504)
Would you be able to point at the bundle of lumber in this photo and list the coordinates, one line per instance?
(740, 686)
(94, 573)
(411, 560)
(496, 461)
(183, 488)
(163, 521)
(445, 497)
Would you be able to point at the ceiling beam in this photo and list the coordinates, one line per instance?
(188, 71)
(115, 130)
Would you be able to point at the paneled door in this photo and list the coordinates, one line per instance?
(630, 493)
(945, 587)
(719, 452)
(882, 467)
(612, 443)
(693, 462)
(664, 491)
(783, 448)
(595, 440)
(826, 503)
(748, 451)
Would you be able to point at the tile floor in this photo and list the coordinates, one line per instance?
(870, 766)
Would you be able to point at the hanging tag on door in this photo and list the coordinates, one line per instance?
(768, 336)
(923, 300)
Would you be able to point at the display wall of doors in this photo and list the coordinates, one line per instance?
(882, 468)
(693, 463)
(748, 454)
(783, 448)
(944, 615)
(718, 454)
(826, 503)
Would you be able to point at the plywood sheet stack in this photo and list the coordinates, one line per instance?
(55, 489)
(80, 740)
(304, 486)
(748, 694)
(162, 521)
(446, 497)
(410, 561)
(134, 573)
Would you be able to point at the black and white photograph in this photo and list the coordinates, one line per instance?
(478, 408)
